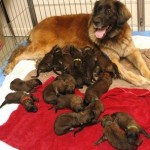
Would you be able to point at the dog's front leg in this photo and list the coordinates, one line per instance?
(136, 59)
(129, 76)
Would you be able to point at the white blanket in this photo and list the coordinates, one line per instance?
(23, 68)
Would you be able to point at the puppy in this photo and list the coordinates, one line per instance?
(70, 82)
(20, 97)
(52, 90)
(63, 84)
(51, 61)
(115, 136)
(76, 67)
(107, 26)
(131, 127)
(101, 86)
(27, 86)
(89, 65)
(70, 101)
(105, 64)
(68, 121)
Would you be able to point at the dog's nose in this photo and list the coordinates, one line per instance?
(96, 21)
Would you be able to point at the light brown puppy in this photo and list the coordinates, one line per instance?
(131, 127)
(114, 134)
(27, 86)
(63, 84)
(106, 26)
(20, 97)
(68, 121)
(70, 101)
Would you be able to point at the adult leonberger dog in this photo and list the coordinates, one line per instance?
(106, 27)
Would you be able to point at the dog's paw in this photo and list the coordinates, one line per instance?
(8, 69)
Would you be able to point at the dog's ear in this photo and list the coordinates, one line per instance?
(122, 13)
(96, 4)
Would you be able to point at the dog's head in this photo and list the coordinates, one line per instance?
(108, 14)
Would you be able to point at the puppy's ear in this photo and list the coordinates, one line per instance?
(122, 13)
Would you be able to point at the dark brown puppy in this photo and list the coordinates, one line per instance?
(62, 84)
(70, 101)
(67, 58)
(75, 68)
(104, 63)
(89, 64)
(27, 100)
(115, 136)
(101, 86)
(27, 86)
(51, 60)
(131, 127)
(68, 121)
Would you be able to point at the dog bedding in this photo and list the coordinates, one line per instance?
(31, 131)
(21, 138)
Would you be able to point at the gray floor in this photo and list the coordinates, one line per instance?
(9, 45)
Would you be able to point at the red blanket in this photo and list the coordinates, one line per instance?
(34, 131)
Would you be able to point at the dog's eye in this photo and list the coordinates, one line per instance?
(108, 11)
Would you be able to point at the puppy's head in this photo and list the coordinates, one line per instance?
(132, 135)
(107, 119)
(108, 14)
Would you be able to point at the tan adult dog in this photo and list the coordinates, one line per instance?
(106, 26)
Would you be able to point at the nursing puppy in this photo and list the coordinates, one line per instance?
(51, 61)
(27, 100)
(105, 64)
(131, 127)
(115, 136)
(106, 27)
(89, 65)
(27, 86)
(68, 121)
(71, 101)
(96, 90)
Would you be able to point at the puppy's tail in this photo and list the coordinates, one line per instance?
(3, 104)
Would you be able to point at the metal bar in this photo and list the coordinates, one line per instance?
(32, 12)
(7, 18)
(141, 15)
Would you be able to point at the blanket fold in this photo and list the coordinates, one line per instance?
(34, 131)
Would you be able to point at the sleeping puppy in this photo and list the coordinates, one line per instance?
(115, 136)
(89, 65)
(68, 121)
(63, 84)
(131, 127)
(101, 86)
(52, 90)
(70, 101)
(27, 86)
(20, 97)
(51, 60)
(69, 80)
